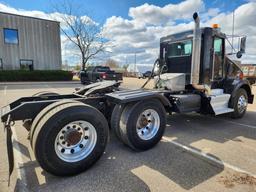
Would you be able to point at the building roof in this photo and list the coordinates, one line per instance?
(17, 15)
(188, 35)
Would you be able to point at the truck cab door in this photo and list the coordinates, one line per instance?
(218, 61)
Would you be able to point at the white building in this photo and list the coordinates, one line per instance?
(29, 43)
(139, 68)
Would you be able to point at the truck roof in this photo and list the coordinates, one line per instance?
(187, 35)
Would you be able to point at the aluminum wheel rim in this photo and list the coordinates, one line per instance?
(79, 150)
(148, 124)
(241, 104)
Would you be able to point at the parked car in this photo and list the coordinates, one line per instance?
(140, 75)
(146, 74)
(99, 73)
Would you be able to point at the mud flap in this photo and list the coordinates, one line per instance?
(9, 151)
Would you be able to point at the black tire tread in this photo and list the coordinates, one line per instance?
(42, 130)
(44, 112)
(45, 93)
(128, 116)
(115, 119)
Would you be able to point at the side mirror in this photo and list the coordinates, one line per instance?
(239, 54)
(242, 44)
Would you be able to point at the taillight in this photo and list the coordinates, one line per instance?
(103, 75)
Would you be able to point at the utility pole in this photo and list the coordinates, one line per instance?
(135, 60)
(233, 29)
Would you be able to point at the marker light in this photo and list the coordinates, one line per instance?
(215, 26)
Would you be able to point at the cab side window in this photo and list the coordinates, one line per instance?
(218, 58)
(179, 49)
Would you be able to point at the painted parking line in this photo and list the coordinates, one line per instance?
(236, 123)
(208, 157)
(52, 88)
(5, 90)
(232, 122)
(18, 160)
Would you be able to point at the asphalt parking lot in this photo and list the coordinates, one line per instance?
(197, 153)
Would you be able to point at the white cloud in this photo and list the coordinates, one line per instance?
(34, 13)
(149, 22)
(152, 14)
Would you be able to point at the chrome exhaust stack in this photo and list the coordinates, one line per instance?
(196, 51)
(196, 57)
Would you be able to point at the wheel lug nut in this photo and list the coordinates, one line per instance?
(72, 150)
(63, 142)
(146, 127)
(68, 127)
(74, 126)
(79, 129)
(63, 131)
(86, 137)
(142, 132)
(86, 128)
(61, 137)
(62, 150)
(81, 145)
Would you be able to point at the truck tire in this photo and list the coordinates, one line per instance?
(43, 113)
(142, 124)
(27, 123)
(66, 144)
(239, 103)
(115, 119)
(45, 94)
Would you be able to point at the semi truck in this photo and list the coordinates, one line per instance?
(69, 133)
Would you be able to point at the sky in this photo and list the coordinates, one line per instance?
(135, 26)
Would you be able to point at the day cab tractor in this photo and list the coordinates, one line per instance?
(69, 133)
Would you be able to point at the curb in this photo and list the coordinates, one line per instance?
(40, 83)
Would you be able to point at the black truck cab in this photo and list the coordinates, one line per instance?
(217, 70)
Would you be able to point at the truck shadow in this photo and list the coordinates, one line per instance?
(189, 128)
(121, 169)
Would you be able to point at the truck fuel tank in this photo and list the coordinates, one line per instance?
(171, 81)
(185, 103)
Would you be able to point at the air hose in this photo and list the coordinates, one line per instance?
(152, 72)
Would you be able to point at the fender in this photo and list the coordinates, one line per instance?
(127, 96)
(244, 84)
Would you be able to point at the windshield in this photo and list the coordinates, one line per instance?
(179, 49)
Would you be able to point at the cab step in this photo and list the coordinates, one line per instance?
(219, 102)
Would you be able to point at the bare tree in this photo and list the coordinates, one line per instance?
(112, 63)
(81, 30)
